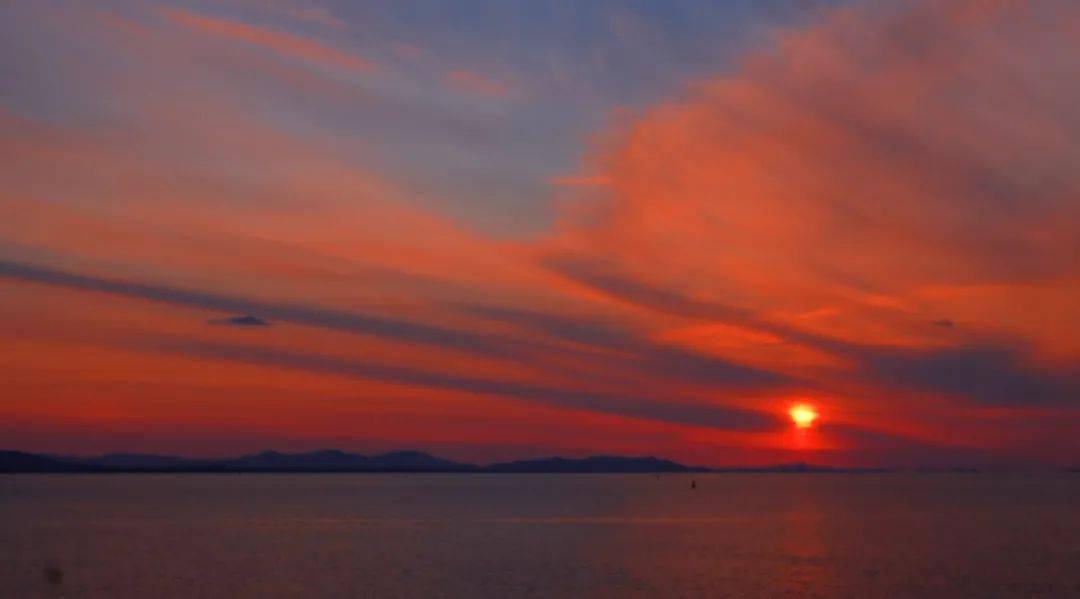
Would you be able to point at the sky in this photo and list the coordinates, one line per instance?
(499, 230)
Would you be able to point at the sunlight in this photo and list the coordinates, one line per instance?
(803, 415)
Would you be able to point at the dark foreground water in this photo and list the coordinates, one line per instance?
(351, 535)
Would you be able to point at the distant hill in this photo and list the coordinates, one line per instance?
(591, 464)
(417, 460)
(18, 461)
(327, 460)
(333, 460)
(128, 460)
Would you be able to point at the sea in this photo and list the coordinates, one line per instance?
(540, 535)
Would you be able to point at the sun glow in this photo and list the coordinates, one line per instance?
(803, 415)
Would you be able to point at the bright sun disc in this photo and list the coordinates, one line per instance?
(803, 416)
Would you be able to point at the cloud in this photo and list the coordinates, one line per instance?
(609, 279)
(634, 289)
(991, 375)
(246, 320)
(637, 355)
(391, 328)
(633, 352)
(476, 84)
(643, 407)
(307, 13)
(845, 186)
(284, 44)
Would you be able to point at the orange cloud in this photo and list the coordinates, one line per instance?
(283, 44)
(841, 183)
(883, 171)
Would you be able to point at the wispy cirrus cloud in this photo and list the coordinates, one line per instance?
(474, 83)
(306, 12)
(284, 44)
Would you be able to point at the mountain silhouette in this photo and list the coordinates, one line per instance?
(334, 460)
(20, 461)
(326, 460)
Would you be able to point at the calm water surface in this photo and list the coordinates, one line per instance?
(355, 535)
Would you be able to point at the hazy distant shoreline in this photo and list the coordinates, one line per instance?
(335, 461)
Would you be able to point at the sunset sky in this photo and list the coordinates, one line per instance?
(507, 229)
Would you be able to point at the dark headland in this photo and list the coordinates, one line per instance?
(332, 460)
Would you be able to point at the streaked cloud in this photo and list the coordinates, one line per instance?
(246, 320)
(477, 84)
(662, 238)
(284, 44)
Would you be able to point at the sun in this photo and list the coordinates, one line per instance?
(803, 415)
